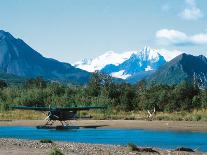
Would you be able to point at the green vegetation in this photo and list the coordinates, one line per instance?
(133, 147)
(46, 141)
(124, 101)
(21, 115)
(55, 151)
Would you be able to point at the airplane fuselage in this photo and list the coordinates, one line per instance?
(61, 115)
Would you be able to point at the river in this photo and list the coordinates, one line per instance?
(147, 138)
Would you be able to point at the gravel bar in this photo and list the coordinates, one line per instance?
(35, 147)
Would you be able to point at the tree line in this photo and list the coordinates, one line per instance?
(102, 90)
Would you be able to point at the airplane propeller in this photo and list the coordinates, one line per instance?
(49, 115)
(47, 118)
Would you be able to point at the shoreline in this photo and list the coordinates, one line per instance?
(12, 146)
(200, 126)
(35, 147)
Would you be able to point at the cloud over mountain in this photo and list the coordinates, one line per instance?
(178, 38)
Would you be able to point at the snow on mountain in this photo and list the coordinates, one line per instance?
(148, 68)
(101, 61)
(148, 54)
(127, 64)
(146, 59)
(120, 74)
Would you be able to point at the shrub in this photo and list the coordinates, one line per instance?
(46, 141)
(196, 118)
(132, 147)
(55, 151)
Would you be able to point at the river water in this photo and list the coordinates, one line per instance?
(148, 138)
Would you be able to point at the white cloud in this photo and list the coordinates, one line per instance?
(171, 36)
(199, 38)
(174, 37)
(191, 12)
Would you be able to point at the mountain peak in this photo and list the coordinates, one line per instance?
(148, 53)
(181, 68)
(4, 34)
(146, 59)
(183, 56)
(146, 48)
(18, 58)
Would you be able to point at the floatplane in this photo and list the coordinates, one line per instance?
(60, 114)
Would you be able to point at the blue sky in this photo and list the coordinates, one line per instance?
(70, 30)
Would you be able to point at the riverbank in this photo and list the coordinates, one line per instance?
(35, 147)
(129, 124)
(195, 115)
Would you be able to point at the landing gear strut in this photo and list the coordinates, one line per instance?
(49, 123)
(64, 125)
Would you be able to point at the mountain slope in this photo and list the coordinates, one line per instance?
(139, 76)
(182, 68)
(12, 79)
(17, 58)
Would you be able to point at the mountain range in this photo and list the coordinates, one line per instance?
(18, 58)
(151, 65)
(18, 62)
(129, 65)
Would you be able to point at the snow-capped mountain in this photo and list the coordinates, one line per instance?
(145, 60)
(101, 61)
(127, 64)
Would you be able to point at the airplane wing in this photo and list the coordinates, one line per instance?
(31, 108)
(81, 108)
(61, 108)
